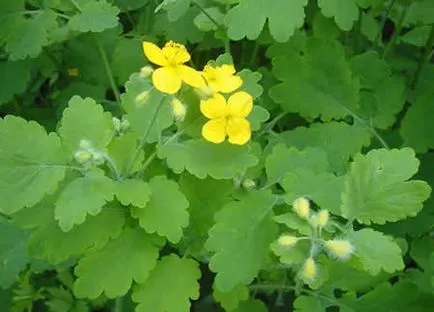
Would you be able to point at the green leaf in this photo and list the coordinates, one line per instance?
(112, 269)
(417, 123)
(175, 8)
(377, 251)
(283, 160)
(294, 222)
(204, 23)
(85, 120)
(347, 141)
(420, 12)
(322, 188)
(251, 83)
(142, 107)
(13, 253)
(383, 93)
(183, 286)
(82, 196)
(166, 212)
(127, 58)
(47, 241)
(200, 158)
(133, 192)
(344, 12)
(27, 173)
(316, 79)
(95, 16)
(377, 190)
(130, 5)
(14, 77)
(248, 18)
(25, 37)
(294, 255)
(206, 197)
(231, 300)
(252, 305)
(421, 250)
(417, 36)
(308, 304)
(122, 150)
(243, 231)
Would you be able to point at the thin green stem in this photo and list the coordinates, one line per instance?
(383, 22)
(77, 6)
(392, 42)
(145, 136)
(254, 55)
(119, 302)
(108, 70)
(270, 125)
(427, 54)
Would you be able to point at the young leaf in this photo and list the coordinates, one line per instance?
(27, 173)
(200, 158)
(377, 190)
(283, 160)
(112, 269)
(244, 230)
(13, 252)
(95, 16)
(183, 286)
(377, 251)
(248, 18)
(316, 79)
(82, 196)
(47, 241)
(85, 120)
(166, 212)
(347, 141)
(142, 103)
(344, 12)
(133, 192)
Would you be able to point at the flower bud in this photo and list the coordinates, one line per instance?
(85, 145)
(116, 124)
(141, 98)
(125, 124)
(82, 157)
(309, 269)
(178, 109)
(339, 248)
(323, 218)
(287, 240)
(205, 92)
(302, 207)
(249, 184)
(146, 71)
(73, 72)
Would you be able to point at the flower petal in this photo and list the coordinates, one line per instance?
(227, 85)
(154, 54)
(191, 76)
(238, 130)
(240, 104)
(214, 130)
(214, 107)
(166, 79)
(176, 53)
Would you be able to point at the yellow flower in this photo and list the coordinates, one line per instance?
(221, 78)
(169, 77)
(227, 119)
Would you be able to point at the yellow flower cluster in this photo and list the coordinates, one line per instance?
(227, 117)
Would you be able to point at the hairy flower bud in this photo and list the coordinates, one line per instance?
(116, 124)
(309, 269)
(125, 124)
(85, 145)
(323, 218)
(179, 110)
(248, 184)
(302, 207)
(141, 98)
(339, 248)
(83, 157)
(146, 71)
(287, 240)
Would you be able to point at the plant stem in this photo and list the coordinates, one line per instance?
(108, 71)
(383, 22)
(254, 55)
(396, 33)
(427, 54)
(119, 302)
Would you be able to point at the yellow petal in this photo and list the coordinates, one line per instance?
(214, 107)
(214, 130)
(228, 84)
(166, 79)
(240, 104)
(154, 54)
(190, 76)
(176, 53)
(238, 130)
(226, 69)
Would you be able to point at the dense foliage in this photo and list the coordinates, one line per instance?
(216, 155)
